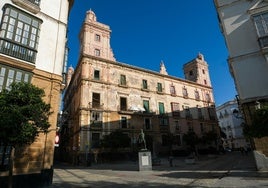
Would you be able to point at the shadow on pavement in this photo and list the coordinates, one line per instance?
(118, 185)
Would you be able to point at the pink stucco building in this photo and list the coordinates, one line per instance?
(105, 95)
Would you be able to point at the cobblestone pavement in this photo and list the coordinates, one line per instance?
(229, 170)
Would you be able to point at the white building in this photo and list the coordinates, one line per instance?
(33, 49)
(244, 25)
(231, 125)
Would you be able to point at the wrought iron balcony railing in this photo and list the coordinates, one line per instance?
(263, 41)
(17, 50)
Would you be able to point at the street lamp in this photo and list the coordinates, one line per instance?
(236, 114)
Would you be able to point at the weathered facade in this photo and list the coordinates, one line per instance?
(29, 52)
(105, 95)
(244, 26)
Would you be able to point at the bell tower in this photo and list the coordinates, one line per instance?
(197, 71)
(95, 38)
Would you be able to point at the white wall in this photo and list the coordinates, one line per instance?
(246, 59)
(52, 39)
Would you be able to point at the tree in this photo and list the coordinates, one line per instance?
(259, 127)
(23, 115)
(210, 137)
(191, 139)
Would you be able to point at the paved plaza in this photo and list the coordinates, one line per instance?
(229, 170)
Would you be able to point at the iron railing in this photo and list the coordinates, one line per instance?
(17, 51)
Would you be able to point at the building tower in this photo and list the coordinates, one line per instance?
(95, 38)
(197, 71)
(105, 95)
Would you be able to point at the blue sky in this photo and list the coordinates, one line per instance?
(144, 32)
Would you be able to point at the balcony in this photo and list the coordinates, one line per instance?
(17, 51)
(176, 114)
(123, 85)
(201, 117)
(185, 96)
(96, 125)
(164, 128)
(188, 116)
(36, 2)
(148, 113)
(30, 5)
(263, 41)
(96, 106)
(160, 91)
(213, 118)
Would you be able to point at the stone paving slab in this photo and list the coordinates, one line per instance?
(231, 170)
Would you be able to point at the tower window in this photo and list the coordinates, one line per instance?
(95, 100)
(96, 75)
(97, 52)
(205, 82)
(203, 71)
(97, 37)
